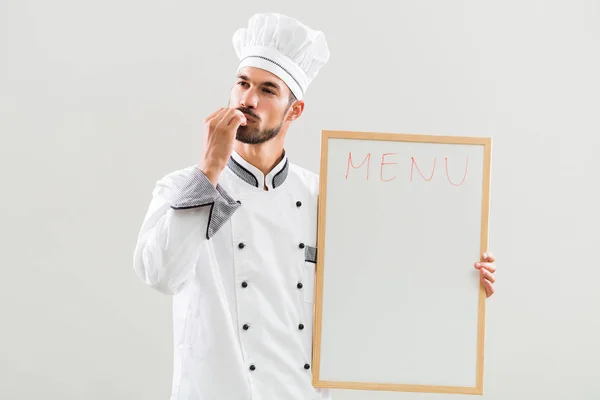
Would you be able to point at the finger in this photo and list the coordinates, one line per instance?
(485, 274)
(223, 117)
(489, 288)
(228, 116)
(214, 122)
(485, 265)
(489, 257)
(214, 114)
(236, 118)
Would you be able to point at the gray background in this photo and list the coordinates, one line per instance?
(100, 99)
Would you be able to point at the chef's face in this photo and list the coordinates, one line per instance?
(267, 103)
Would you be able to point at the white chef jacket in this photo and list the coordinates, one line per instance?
(239, 261)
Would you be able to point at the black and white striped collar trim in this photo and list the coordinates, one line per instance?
(253, 176)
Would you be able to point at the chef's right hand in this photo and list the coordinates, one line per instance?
(219, 133)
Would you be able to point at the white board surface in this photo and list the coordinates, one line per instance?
(403, 218)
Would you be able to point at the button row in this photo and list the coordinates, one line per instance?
(246, 327)
(241, 245)
(298, 203)
(244, 284)
(253, 367)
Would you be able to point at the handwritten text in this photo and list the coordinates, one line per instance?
(425, 168)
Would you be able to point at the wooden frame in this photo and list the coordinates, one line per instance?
(317, 382)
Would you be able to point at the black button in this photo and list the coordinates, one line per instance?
(244, 284)
(301, 326)
(239, 202)
(299, 285)
(306, 366)
(246, 326)
(298, 203)
(241, 245)
(301, 245)
(252, 367)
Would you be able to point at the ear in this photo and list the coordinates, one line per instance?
(296, 110)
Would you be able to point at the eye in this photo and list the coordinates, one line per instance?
(242, 83)
(268, 91)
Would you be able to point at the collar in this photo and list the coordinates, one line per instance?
(253, 176)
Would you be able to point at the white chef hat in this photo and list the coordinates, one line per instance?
(283, 46)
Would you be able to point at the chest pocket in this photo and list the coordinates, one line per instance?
(310, 262)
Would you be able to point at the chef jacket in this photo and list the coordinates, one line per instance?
(239, 262)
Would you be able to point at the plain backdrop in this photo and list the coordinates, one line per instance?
(100, 99)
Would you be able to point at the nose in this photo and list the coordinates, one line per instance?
(249, 98)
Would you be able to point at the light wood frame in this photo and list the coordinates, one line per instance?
(329, 134)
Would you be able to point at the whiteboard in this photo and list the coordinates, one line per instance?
(398, 303)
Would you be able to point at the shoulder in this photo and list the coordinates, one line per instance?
(305, 178)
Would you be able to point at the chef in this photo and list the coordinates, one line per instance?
(233, 237)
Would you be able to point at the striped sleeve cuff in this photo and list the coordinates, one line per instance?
(198, 191)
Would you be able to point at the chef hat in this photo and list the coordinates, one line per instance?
(283, 46)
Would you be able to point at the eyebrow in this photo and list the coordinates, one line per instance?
(266, 83)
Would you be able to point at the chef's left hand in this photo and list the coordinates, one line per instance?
(487, 268)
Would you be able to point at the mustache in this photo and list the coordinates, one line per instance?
(248, 111)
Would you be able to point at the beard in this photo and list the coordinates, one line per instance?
(252, 135)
